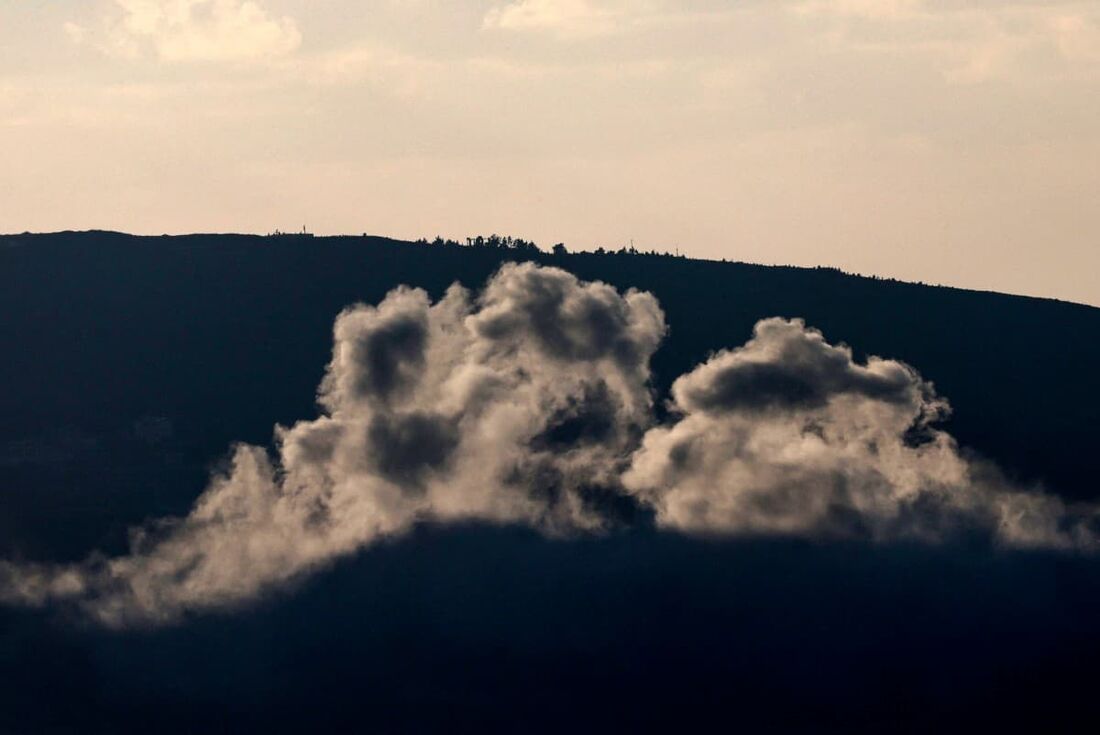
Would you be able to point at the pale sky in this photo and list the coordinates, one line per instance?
(934, 140)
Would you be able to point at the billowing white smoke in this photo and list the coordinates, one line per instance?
(787, 434)
(531, 404)
(514, 407)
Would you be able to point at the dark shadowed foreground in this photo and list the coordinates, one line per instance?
(502, 629)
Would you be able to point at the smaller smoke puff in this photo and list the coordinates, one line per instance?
(788, 434)
(531, 403)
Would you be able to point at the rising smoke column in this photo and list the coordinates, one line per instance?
(520, 405)
(530, 403)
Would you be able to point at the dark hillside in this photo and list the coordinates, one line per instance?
(130, 364)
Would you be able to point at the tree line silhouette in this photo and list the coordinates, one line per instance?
(522, 246)
(529, 247)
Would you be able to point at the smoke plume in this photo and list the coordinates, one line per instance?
(530, 403)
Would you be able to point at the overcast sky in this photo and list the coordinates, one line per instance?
(949, 142)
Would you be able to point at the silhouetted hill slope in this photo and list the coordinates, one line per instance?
(498, 630)
(132, 363)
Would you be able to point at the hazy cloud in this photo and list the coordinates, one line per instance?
(562, 17)
(859, 94)
(968, 42)
(576, 19)
(192, 30)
